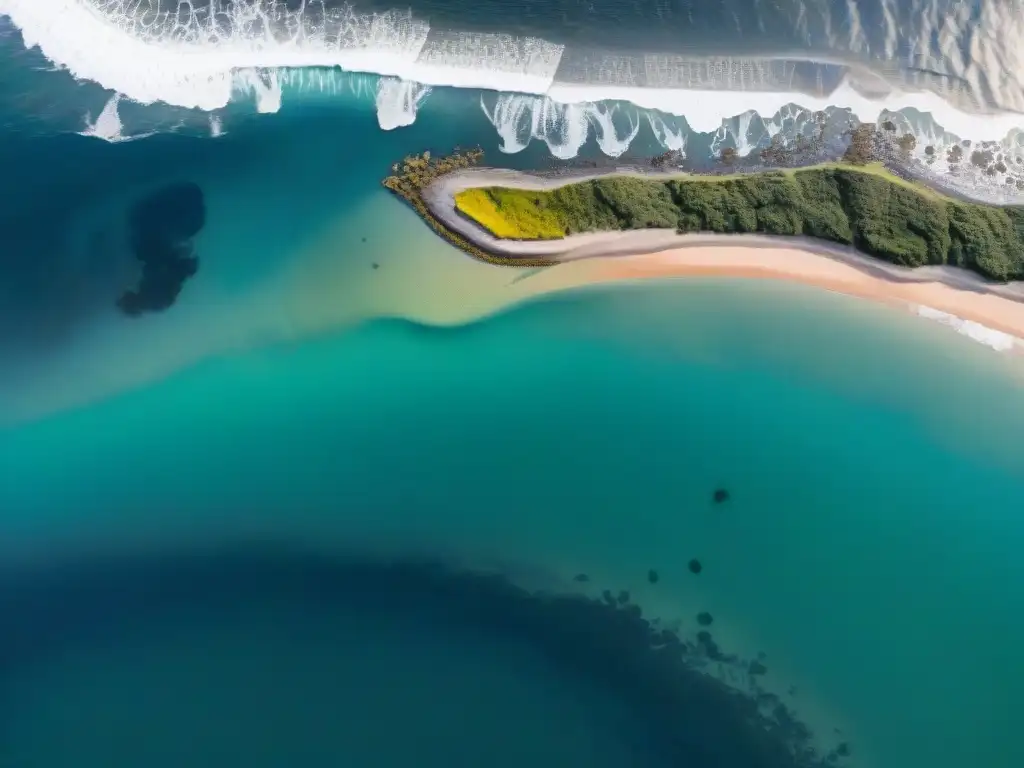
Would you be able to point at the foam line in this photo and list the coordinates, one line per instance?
(198, 59)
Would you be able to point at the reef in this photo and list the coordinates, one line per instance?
(160, 231)
(688, 714)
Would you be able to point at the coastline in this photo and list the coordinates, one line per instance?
(991, 313)
(438, 198)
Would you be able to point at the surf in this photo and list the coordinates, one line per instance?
(204, 57)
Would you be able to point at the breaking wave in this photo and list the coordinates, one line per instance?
(193, 66)
(959, 63)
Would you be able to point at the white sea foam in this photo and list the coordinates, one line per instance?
(192, 59)
(670, 135)
(704, 109)
(107, 125)
(397, 102)
(263, 85)
(997, 340)
(565, 128)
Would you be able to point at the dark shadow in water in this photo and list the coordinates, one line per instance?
(693, 719)
(161, 227)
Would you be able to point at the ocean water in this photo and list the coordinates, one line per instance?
(355, 497)
(869, 548)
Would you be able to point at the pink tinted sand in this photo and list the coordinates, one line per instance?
(999, 312)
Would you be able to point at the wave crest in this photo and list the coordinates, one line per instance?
(198, 56)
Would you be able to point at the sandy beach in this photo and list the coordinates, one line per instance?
(991, 318)
(990, 313)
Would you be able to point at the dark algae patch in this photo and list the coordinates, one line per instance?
(695, 566)
(160, 231)
(704, 619)
(685, 716)
(720, 496)
(652, 576)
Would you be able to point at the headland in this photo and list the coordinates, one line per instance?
(852, 228)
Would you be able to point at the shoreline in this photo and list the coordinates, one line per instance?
(988, 312)
(995, 320)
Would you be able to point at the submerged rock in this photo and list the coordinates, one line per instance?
(704, 619)
(720, 496)
(652, 576)
(695, 566)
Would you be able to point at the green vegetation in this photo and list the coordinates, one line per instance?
(415, 173)
(877, 213)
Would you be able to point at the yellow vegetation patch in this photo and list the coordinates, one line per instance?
(510, 214)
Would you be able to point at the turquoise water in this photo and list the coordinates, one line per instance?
(869, 547)
(298, 395)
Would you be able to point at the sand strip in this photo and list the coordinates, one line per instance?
(986, 316)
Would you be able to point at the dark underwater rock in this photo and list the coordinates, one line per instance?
(720, 496)
(160, 231)
(695, 566)
(704, 619)
(652, 576)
